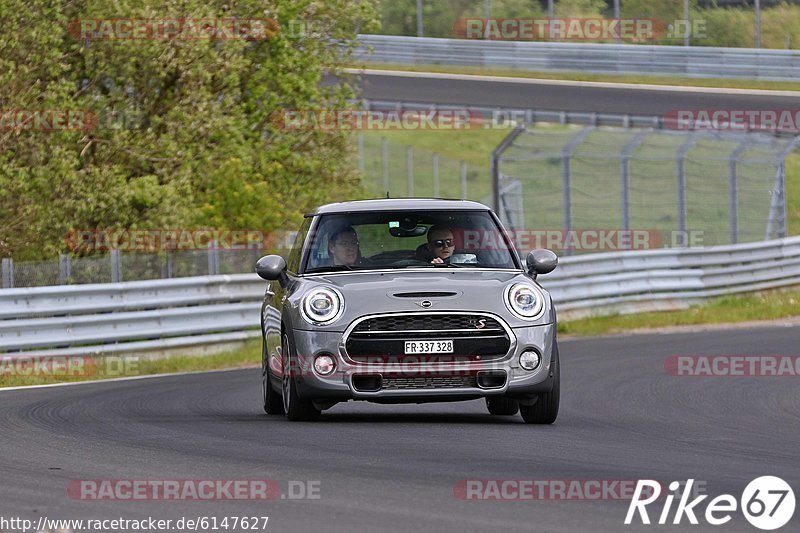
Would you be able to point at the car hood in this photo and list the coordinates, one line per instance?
(446, 289)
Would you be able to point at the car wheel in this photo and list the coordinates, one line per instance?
(296, 409)
(273, 403)
(498, 405)
(545, 410)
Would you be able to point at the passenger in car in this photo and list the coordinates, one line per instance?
(343, 246)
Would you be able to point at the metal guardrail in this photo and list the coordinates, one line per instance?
(670, 278)
(692, 62)
(210, 311)
(196, 313)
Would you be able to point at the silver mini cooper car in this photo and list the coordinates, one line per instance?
(410, 300)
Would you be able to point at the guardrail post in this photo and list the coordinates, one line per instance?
(8, 273)
(410, 170)
(64, 269)
(385, 162)
(463, 180)
(435, 175)
(116, 267)
(683, 150)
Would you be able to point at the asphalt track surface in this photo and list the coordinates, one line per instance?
(548, 96)
(393, 468)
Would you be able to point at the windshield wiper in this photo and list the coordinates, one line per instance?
(330, 268)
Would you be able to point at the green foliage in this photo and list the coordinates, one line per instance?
(724, 26)
(187, 133)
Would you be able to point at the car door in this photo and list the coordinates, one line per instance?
(275, 297)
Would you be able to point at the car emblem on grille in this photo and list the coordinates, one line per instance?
(425, 303)
(481, 323)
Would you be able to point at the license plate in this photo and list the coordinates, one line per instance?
(443, 346)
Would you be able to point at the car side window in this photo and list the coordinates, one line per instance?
(293, 262)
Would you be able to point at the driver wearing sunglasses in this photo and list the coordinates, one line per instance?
(441, 243)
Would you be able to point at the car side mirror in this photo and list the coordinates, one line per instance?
(541, 261)
(271, 268)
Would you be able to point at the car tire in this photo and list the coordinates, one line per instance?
(296, 409)
(273, 403)
(545, 410)
(499, 405)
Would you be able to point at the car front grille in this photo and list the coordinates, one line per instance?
(428, 382)
(476, 337)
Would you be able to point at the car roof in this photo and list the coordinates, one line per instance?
(399, 204)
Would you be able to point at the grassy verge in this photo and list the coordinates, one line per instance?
(130, 366)
(723, 83)
(768, 305)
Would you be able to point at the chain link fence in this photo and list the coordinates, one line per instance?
(723, 188)
(118, 266)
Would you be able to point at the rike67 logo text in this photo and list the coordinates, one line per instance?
(767, 502)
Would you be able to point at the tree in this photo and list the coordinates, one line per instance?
(185, 134)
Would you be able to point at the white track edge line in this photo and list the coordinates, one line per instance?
(574, 83)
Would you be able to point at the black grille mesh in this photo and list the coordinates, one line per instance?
(428, 382)
(434, 322)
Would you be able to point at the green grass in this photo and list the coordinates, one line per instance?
(768, 305)
(793, 193)
(249, 355)
(724, 83)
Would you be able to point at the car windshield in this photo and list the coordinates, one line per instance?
(407, 239)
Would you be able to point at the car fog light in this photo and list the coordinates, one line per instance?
(324, 364)
(529, 360)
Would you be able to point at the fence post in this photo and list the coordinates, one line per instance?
(410, 170)
(213, 266)
(463, 180)
(683, 151)
(8, 273)
(625, 185)
(64, 269)
(494, 168)
(435, 175)
(166, 273)
(777, 206)
(361, 152)
(566, 177)
(116, 267)
(385, 161)
(733, 190)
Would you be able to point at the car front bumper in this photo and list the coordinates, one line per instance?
(414, 381)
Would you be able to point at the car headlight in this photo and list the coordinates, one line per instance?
(525, 301)
(322, 306)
